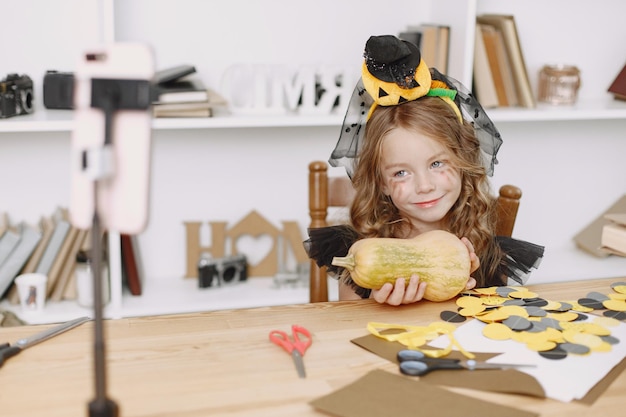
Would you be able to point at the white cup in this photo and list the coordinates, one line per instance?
(31, 289)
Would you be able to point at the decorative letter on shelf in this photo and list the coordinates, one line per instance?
(274, 89)
(253, 236)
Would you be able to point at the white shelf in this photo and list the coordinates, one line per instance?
(61, 120)
(176, 296)
(598, 109)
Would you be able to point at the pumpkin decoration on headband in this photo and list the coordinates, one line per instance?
(394, 73)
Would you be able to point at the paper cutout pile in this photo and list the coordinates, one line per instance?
(552, 328)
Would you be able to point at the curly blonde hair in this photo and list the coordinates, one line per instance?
(373, 214)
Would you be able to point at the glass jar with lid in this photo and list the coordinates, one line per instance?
(559, 84)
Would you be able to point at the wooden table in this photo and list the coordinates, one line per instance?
(222, 363)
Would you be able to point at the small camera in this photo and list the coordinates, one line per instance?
(16, 96)
(222, 271)
(58, 90)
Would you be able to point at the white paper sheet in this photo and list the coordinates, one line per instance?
(563, 379)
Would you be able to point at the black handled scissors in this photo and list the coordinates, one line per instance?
(7, 350)
(415, 363)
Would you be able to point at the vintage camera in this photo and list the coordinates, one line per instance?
(58, 90)
(222, 271)
(16, 96)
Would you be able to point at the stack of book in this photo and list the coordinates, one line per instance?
(179, 94)
(433, 41)
(50, 248)
(500, 74)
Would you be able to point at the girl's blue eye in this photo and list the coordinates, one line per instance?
(400, 173)
(437, 164)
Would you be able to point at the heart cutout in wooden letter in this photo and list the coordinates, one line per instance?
(256, 248)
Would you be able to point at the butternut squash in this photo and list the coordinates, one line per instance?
(438, 257)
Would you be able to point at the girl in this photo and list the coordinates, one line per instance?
(421, 165)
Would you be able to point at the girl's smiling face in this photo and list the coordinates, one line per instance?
(419, 177)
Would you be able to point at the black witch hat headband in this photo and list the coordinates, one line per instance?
(394, 73)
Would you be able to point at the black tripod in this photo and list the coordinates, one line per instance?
(109, 95)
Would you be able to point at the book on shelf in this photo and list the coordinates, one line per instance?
(413, 36)
(174, 73)
(614, 234)
(8, 241)
(506, 70)
(484, 87)
(130, 265)
(46, 225)
(68, 265)
(433, 41)
(51, 253)
(500, 65)
(490, 38)
(174, 85)
(63, 256)
(181, 91)
(71, 291)
(443, 48)
(10, 268)
(4, 222)
(508, 27)
(190, 109)
(618, 86)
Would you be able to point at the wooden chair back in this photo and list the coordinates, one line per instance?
(326, 192)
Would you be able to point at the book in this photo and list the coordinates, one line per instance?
(4, 222)
(484, 87)
(170, 74)
(433, 41)
(61, 229)
(183, 113)
(428, 43)
(177, 107)
(614, 234)
(130, 270)
(490, 37)
(71, 290)
(10, 268)
(413, 36)
(191, 109)
(506, 24)
(618, 86)
(68, 265)
(443, 48)
(181, 91)
(506, 71)
(8, 241)
(63, 256)
(46, 225)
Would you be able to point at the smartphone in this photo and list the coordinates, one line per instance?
(120, 168)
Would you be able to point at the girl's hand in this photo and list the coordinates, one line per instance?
(400, 292)
(474, 262)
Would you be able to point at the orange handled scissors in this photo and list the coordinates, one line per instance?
(301, 342)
